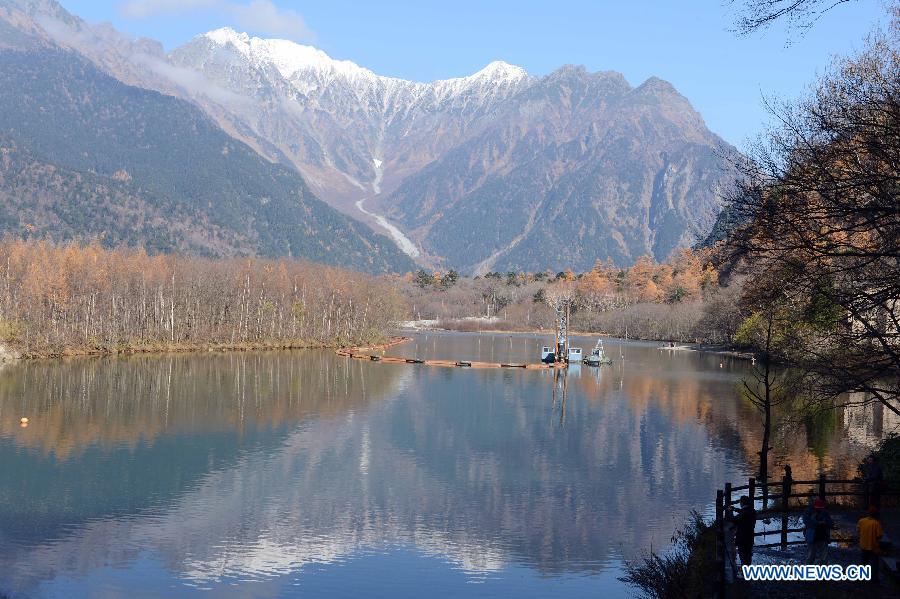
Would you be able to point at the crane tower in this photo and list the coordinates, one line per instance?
(563, 311)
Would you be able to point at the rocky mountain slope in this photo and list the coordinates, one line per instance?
(85, 154)
(349, 131)
(498, 170)
(581, 166)
(495, 171)
(41, 199)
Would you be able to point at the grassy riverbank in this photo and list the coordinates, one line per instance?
(163, 348)
(7, 355)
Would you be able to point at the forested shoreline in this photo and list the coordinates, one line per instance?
(679, 300)
(812, 230)
(86, 299)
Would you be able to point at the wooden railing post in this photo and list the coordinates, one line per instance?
(820, 490)
(787, 483)
(789, 475)
(785, 490)
(720, 541)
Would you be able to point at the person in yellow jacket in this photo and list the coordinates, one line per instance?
(870, 532)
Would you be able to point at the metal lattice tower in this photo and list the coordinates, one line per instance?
(562, 329)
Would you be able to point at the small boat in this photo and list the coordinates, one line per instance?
(598, 356)
(548, 356)
(575, 355)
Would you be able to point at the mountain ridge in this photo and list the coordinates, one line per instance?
(401, 149)
(497, 168)
(281, 51)
(85, 142)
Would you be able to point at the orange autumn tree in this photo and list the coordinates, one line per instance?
(683, 278)
(598, 289)
(639, 283)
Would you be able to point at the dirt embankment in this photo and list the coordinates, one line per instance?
(9, 355)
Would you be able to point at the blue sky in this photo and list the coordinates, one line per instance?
(688, 43)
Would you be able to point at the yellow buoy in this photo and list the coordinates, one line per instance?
(23, 421)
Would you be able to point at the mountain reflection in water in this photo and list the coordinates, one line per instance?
(291, 473)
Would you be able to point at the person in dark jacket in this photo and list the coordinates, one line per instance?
(788, 479)
(818, 524)
(874, 481)
(745, 526)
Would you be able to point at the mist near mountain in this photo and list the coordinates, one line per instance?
(83, 155)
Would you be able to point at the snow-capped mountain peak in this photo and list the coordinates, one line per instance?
(288, 57)
(331, 117)
(501, 71)
(291, 58)
(227, 35)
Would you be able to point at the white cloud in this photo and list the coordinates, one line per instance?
(263, 16)
(142, 9)
(190, 80)
(258, 16)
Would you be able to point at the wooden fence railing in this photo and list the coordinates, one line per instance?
(779, 503)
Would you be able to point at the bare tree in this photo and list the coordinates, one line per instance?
(86, 298)
(754, 15)
(773, 332)
(820, 207)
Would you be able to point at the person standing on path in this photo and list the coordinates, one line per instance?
(745, 524)
(870, 533)
(818, 525)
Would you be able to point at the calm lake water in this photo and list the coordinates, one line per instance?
(303, 474)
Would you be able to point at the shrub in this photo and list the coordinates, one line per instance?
(888, 455)
(685, 570)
